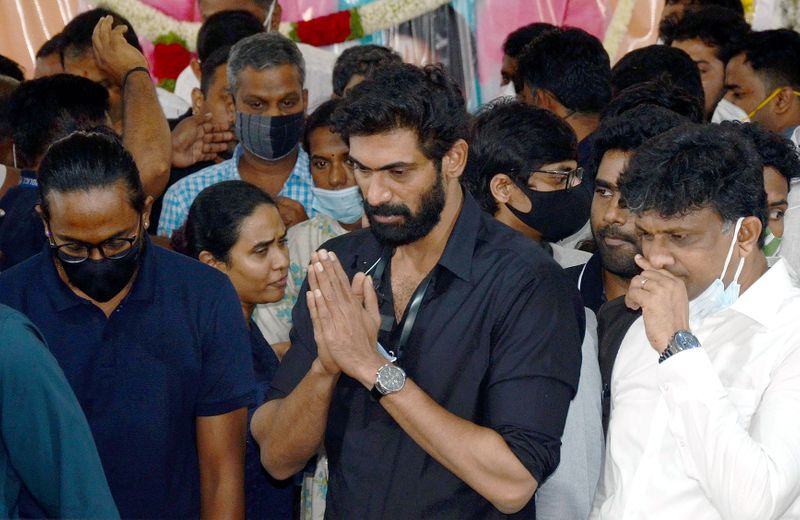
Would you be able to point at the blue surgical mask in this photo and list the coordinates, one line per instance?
(345, 205)
(717, 297)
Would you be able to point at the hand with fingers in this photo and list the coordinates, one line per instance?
(345, 318)
(112, 52)
(662, 298)
(197, 139)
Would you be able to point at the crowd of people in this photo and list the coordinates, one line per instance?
(333, 292)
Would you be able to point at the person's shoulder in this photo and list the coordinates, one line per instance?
(20, 341)
(320, 225)
(511, 247)
(199, 180)
(178, 274)
(22, 277)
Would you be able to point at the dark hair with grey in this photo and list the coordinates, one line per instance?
(263, 51)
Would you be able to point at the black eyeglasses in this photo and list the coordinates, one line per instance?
(555, 180)
(111, 249)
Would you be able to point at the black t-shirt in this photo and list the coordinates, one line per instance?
(496, 342)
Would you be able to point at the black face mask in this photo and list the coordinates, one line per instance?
(270, 138)
(555, 214)
(103, 279)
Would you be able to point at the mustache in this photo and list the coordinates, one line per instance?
(616, 232)
(387, 210)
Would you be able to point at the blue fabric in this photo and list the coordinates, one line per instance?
(45, 442)
(180, 196)
(21, 229)
(265, 497)
(176, 348)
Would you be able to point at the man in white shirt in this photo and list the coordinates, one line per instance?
(706, 385)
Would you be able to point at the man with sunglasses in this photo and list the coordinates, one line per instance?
(153, 344)
(522, 170)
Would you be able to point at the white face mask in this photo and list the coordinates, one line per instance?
(796, 137)
(718, 297)
(727, 111)
(345, 205)
(507, 90)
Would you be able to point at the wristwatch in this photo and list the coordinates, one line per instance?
(389, 379)
(681, 340)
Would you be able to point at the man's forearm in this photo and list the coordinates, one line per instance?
(290, 430)
(477, 455)
(146, 133)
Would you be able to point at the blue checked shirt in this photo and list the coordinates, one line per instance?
(179, 196)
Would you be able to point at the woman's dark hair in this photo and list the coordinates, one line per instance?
(84, 161)
(402, 96)
(692, 167)
(513, 138)
(660, 92)
(321, 117)
(775, 150)
(216, 217)
(628, 130)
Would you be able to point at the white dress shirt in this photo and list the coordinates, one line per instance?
(712, 432)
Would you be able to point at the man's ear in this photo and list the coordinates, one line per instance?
(198, 99)
(501, 186)
(38, 209)
(195, 65)
(784, 100)
(148, 207)
(455, 160)
(749, 233)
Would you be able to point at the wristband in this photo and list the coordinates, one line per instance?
(135, 69)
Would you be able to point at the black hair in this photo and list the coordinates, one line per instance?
(85, 161)
(774, 149)
(77, 34)
(216, 217)
(628, 130)
(402, 96)
(667, 25)
(774, 56)
(46, 109)
(209, 66)
(516, 41)
(51, 46)
(363, 60)
(11, 68)
(224, 29)
(321, 117)
(717, 27)
(692, 167)
(658, 62)
(572, 65)
(7, 88)
(660, 92)
(513, 138)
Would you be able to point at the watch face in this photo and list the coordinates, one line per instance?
(391, 378)
(686, 340)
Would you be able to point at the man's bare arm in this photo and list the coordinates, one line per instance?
(220, 450)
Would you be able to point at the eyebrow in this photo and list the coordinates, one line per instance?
(267, 243)
(665, 231)
(605, 184)
(390, 166)
(782, 202)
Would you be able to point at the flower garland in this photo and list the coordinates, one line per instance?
(618, 27)
(341, 26)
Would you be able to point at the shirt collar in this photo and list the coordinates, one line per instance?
(62, 297)
(762, 300)
(460, 248)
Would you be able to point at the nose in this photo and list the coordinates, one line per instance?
(338, 174)
(95, 253)
(657, 253)
(282, 260)
(377, 192)
(615, 213)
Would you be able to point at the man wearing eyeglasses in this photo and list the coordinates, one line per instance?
(153, 344)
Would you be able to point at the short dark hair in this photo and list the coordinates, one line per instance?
(516, 41)
(717, 27)
(46, 109)
(7, 88)
(660, 92)
(666, 26)
(216, 217)
(209, 66)
(77, 34)
(263, 51)
(774, 55)
(692, 167)
(224, 29)
(11, 68)
(658, 62)
(628, 130)
(402, 96)
(321, 117)
(363, 60)
(572, 65)
(513, 138)
(84, 161)
(775, 150)
(51, 46)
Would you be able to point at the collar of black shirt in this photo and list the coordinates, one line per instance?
(62, 297)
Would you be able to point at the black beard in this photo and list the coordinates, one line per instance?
(416, 226)
(617, 261)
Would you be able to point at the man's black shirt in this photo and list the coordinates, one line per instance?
(496, 342)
